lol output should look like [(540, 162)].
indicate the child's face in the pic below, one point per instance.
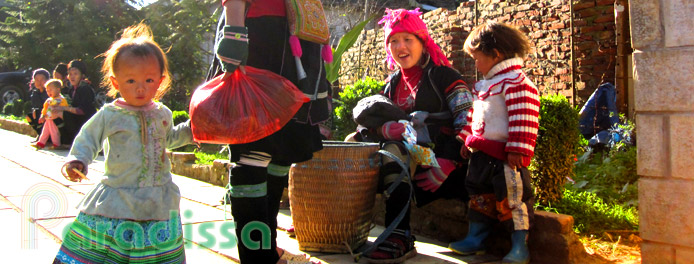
[(406, 49), (137, 78), (40, 81), (483, 62), (75, 76), (53, 90)]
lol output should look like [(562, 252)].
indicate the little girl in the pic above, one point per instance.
[(49, 116), (501, 132), (131, 216)]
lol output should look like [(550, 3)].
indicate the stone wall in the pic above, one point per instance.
[(662, 38), (548, 24)]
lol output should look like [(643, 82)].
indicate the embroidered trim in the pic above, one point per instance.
[(248, 191)]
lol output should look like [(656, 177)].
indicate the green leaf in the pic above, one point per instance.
[(347, 41)]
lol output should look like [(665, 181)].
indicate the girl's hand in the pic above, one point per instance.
[(42, 120), (76, 171), (515, 160), (464, 152)]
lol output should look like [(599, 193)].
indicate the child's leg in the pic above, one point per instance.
[(45, 134), (53, 130)]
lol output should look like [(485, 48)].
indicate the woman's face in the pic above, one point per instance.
[(58, 76), (406, 49), (40, 82), (74, 75)]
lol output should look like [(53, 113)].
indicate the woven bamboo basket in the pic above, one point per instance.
[(332, 196)]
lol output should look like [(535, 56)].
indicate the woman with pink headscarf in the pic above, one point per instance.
[(434, 96)]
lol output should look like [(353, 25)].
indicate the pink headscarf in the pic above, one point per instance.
[(402, 20)]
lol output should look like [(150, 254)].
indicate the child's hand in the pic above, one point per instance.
[(464, 152), (75, 170), (42, 120), (515, 160)]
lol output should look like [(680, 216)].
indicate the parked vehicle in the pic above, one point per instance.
[(14, 85)]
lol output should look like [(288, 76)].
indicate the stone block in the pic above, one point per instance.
[(681, 146), (17, 126), (662, 80), (644, 18), (651, 153), (678, 22), (684, 255), (662, 214), (657, 253)]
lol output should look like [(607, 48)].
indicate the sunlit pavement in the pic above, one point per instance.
[(37, 203)]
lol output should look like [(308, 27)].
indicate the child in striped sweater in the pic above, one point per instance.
[(499, 140)]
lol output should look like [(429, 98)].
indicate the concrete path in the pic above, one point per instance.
[(36, 203)]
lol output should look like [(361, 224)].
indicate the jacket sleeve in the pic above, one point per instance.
[(523, 104)]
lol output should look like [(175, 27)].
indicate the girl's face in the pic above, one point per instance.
[(406, 49), (40, 81), (484, 63), (75, 76), (137, 78), (53, 91)]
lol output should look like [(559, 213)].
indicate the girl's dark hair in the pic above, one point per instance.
[(62, 69), (41, 71), (79, 65), (508, 41), (138, 41)]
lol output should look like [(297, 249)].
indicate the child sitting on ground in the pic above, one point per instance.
[(50, 118)]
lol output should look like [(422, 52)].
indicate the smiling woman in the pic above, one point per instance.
[(427, 88)]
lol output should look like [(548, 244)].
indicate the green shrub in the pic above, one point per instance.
[(557, 145), (593, 215), (207, 157), (343, 121), (609, 174), (179, 117), (17, 108)]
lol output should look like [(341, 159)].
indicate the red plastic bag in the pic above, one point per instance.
[(243, 108)]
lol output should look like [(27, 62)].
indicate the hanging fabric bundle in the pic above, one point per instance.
[(307, 22)]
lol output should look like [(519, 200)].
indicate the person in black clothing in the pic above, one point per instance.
[(435, 100), (81, 96), (260, 38), (37, 95)]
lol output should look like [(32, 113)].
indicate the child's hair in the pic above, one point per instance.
[(79, 65), (509, 41), (61, 68), (58, 83), (138, 41)]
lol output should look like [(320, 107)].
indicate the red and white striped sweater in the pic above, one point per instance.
[(505, 112)]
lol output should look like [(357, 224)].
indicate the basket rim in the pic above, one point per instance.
[(335, 143)]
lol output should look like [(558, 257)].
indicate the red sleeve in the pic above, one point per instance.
[(523, 106)]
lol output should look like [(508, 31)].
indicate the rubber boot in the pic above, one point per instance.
[(519, 248), (473, 242)]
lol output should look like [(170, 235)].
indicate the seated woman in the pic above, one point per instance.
[(60, 73), (436, 100), (81, 96), (37, 95)]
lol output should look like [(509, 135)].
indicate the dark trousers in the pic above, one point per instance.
[(34, 122), (256, 210), (487, 185)]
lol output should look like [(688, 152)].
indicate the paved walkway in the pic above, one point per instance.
[(36, 203)]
